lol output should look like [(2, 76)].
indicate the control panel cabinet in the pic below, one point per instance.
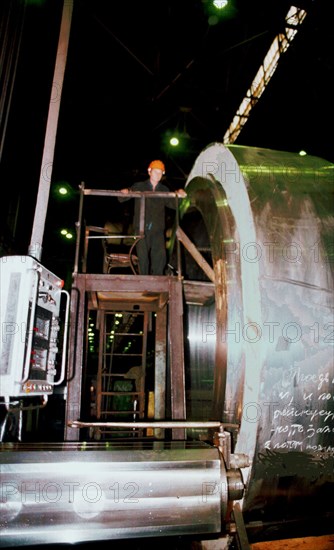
[(29, 308)]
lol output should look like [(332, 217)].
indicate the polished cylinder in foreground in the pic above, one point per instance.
[(70, 493)]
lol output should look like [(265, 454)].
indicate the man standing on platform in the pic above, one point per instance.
[(151, 249)]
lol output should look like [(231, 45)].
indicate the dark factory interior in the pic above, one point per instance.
[(167, 274)]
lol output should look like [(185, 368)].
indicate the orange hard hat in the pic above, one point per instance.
[(157, 164)]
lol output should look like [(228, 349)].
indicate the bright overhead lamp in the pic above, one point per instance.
[(220, 4), (174, 141), (67, 234)]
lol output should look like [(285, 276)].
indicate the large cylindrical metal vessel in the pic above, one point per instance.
[(260, 352)]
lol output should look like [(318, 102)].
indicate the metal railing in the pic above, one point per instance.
[(83, 233)]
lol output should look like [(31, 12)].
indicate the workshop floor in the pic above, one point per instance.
[(325, 542)]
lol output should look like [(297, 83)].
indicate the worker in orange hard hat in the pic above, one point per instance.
[(151, 249), (157, 164)]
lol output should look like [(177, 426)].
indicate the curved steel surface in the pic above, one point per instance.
[(267, 341), (72, 493)]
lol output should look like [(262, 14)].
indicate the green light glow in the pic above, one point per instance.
[(220, 4)]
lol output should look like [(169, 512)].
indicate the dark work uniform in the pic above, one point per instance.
[(151, 250)]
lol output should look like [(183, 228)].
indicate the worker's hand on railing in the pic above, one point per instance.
[(180, 193), (125, 191)]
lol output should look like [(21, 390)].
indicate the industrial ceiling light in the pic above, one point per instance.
[(220, 4), (279, 46), (174, 141), (67, 234), (62, 190)]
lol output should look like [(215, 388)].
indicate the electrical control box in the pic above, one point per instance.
[(29, 310)]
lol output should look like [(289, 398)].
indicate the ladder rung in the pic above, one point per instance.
[(123, 355), (113, 374), (120, 412), (124, 334), (121, 393)]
